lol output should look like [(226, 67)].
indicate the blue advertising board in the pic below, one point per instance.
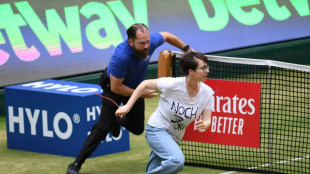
[(55, 117)]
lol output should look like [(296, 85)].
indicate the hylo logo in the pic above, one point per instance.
[(33, 120)]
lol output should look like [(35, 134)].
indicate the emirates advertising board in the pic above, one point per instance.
[(51, 39), (235, 116)]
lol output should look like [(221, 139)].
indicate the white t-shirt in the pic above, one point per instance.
[(176, 110)]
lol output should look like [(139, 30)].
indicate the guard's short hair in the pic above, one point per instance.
[(132, 31)]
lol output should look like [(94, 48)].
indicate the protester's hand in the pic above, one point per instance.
[(122, 111), (148, 93), (201, 125)]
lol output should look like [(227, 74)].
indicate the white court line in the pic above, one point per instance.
[(229, 172), (267, 165)]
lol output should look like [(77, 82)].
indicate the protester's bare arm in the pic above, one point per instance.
[(146, 85), (119, 88)]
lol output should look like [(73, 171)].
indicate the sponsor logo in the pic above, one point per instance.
[(17, 122), (20, 118), (235, 115)]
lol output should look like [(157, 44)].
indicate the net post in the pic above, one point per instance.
[(164, 62)]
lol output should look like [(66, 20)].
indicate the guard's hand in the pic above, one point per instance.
[(148, 93), (190, 50), (122, 111)]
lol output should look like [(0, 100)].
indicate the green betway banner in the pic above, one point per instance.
[(48, 39)]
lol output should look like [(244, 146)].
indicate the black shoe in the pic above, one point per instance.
[(73, 168)]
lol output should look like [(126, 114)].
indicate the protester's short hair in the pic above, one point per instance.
[(189, 61), (132, 31)]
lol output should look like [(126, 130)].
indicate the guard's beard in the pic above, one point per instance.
[(141, 54)]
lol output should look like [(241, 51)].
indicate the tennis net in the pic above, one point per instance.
[(284, 118)]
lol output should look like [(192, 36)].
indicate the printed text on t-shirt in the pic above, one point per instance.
[(180, 110)]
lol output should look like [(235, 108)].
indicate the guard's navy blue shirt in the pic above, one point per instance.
[(124, 63)]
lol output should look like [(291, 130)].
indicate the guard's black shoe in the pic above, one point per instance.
[(73, 168), (116, 130)]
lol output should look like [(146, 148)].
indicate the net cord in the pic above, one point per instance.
[(249, 61)]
